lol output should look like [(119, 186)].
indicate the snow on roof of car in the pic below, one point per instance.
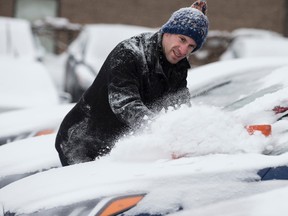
[(25, 83), (12, 34)]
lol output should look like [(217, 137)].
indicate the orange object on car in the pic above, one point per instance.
[(119, 205), (265, 129), (44, 132)]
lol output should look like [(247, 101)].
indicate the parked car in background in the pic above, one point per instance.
[(30, 122), (27, 139), (247, 43), (17, 39), (25, 83), (89, 51), (145, 181)]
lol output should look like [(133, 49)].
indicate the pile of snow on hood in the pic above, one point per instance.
[(189, 131)]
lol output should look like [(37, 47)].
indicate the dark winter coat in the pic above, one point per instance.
[(135, 82)]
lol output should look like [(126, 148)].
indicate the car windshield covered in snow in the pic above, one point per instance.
[(235, 87)]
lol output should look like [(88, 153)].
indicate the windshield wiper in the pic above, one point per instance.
[(243, 101), (209, 88)]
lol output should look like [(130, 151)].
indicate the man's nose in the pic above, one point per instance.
[(185, 50)]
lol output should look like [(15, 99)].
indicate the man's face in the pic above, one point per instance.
[(176, 47)]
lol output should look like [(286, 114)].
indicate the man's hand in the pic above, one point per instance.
[(200, 5)]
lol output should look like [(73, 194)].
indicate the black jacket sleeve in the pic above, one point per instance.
[(124, 91)]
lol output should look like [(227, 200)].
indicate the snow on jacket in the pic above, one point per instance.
[(135, 82)]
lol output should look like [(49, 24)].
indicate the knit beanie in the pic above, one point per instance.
[(190, 22)]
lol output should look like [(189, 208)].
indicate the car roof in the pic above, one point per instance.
[(32, 86), (12, 34)]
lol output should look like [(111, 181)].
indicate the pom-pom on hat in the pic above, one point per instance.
[(190, 22)]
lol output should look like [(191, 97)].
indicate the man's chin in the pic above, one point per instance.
[(175, 60), (172, 59)]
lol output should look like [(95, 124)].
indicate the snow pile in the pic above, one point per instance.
[(189, 131)]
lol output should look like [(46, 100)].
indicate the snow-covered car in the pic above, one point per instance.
[(88, 52), (25, 83), (24, 80), (31, 131), (158, 188), (188, 158), (26, 157), (24, 123), (247, 43), (17, 39)]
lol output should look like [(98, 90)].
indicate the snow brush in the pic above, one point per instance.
[(265, 129)]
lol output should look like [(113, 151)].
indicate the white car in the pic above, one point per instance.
[(88, 52), (28, 135), (30, 122), (251, 43), (17, 39), (24, 80), (25, 83), (188, 158), (28, 156)]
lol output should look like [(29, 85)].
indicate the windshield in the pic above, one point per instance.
[(242, 102), (233, 91)]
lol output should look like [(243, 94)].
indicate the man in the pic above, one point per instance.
[(140, 77)]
